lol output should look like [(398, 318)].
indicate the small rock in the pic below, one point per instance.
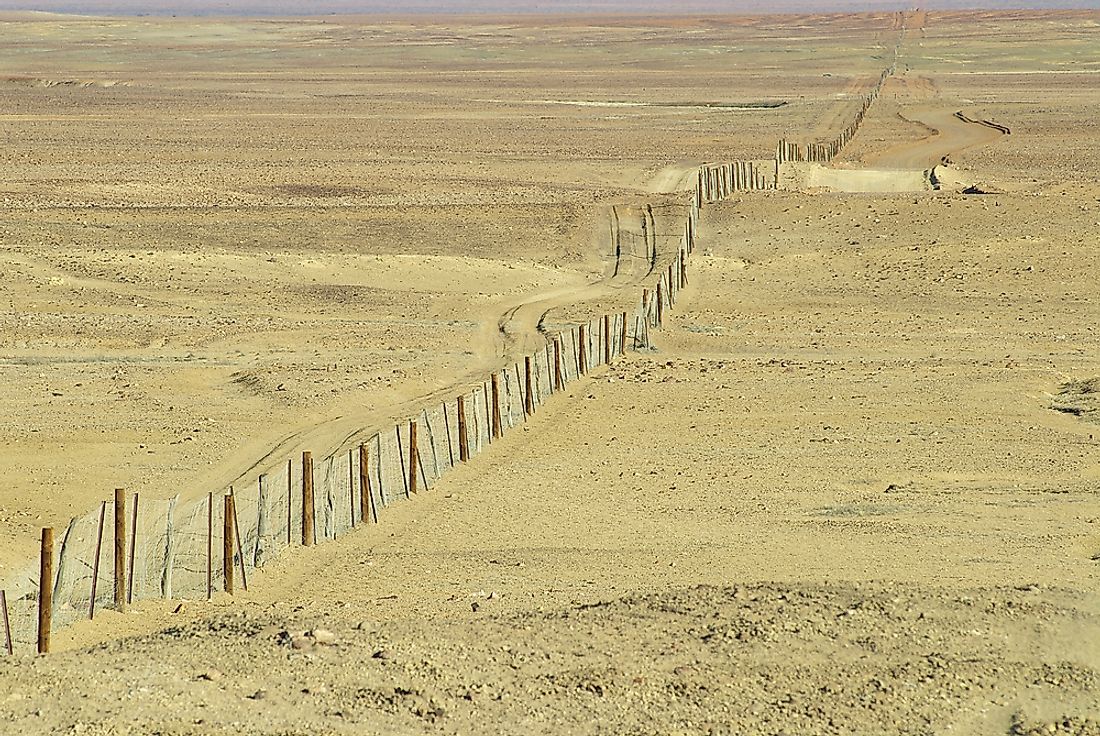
[(211, 676), (301, 642), (324, 637)]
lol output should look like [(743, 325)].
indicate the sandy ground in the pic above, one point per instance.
[(853, 490), (228, 238)]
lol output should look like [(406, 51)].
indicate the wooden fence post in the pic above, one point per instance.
[(133, 546), (607, 339), (209, 545), (45, 591), (401, 457), (463, 445), (450, 442), (529, 398), (307, 499), (495, 379), (289, 505), (120, 549), (622, 337), (227, 543), (412, 456), (351, 487), (557, 364), (98, 555), (488, 413), (7, 623), (237, 536), (582, 349), (366, 498), (660, 306)]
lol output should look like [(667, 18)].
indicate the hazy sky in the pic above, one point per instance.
[(317, 7)]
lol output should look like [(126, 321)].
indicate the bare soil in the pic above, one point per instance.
[(852, 489)]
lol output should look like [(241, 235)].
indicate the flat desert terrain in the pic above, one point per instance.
[(851, 487)]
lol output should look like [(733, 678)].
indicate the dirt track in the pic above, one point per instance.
[(951, 136), (853, 428)]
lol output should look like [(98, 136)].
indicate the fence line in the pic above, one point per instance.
[(176, 549), (824, 152), (172, 554)]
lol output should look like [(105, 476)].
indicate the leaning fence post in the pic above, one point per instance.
[(7, 622), (45, 591), (307, 499), (237, 535), (463, 445), (366, 500), (133, 546), (495, 381), (98, 552), (401, 457), (412, 456), (120, 549), (557, 364), (227, 543), (447, 429)]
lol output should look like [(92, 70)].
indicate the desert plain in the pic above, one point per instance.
[(851, 486)]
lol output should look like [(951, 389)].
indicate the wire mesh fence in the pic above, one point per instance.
[(189, 549)]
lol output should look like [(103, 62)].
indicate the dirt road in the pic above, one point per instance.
[(949, 135)]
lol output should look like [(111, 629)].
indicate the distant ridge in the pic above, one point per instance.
[(586, 7)]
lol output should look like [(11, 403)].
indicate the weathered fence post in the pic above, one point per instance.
[(412, 456), (133, 550), (366, 499), (209, 545), (622, 337), (660, 306), (582, 349), (45, 591), (289, 505), (227, 543), (351, 487), (495, 382), (529, 396), (307, 500), (607, 339), (98, 554), (463, 446), (120, 549), (7, 622), (237, 536)]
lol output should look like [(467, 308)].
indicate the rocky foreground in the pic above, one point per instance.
[(761, 659)]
